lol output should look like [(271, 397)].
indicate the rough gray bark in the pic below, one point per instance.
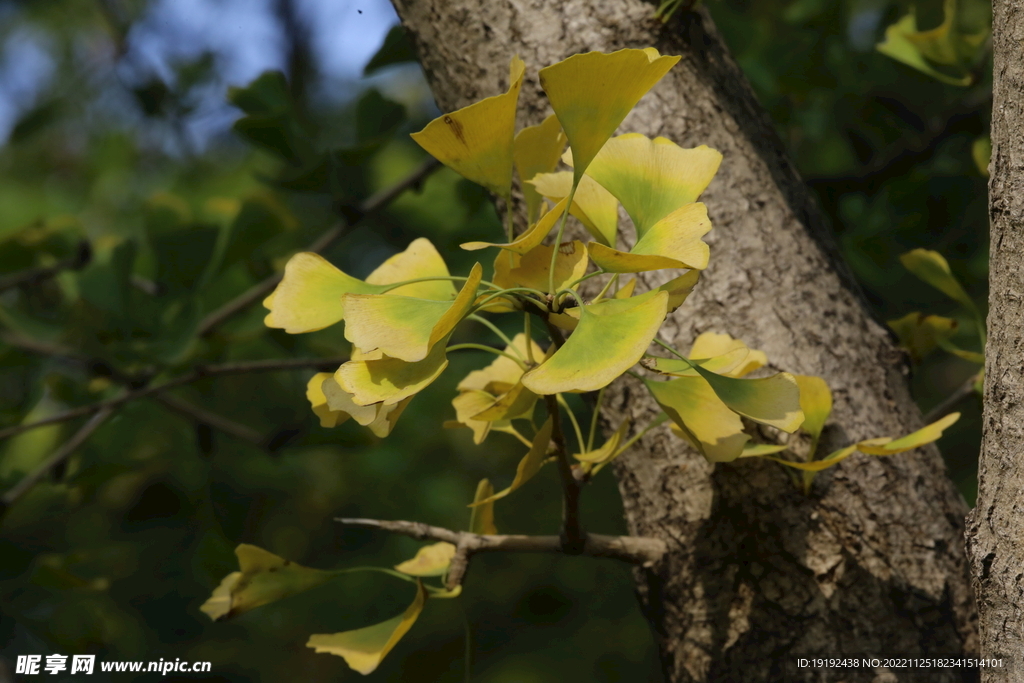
[(995, 538), (757, 574)]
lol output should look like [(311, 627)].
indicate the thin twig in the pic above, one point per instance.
[(33, 276), (632, 549), (573, 537), (372, 205), (214, 420), (14, 493), (198, 373), (946, 406)]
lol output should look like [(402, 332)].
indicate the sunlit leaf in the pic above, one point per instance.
[(593, 92), (537, 149), (771, 400), (430, 560), (390, 380), (815, 402), (712, 344), (701, 417), (594, 206), (528, 467), (607, 450), (481, 520), (263, 578), (653, 178), (317, 400), (516, 403), (419, 260), (679, 288), (403, 327), (570, 265), (378, 417), (919, 334), (925, 435), (477, 141), (611, 337), (365, 648), (502, 373), (722, 365), (529, 239), (673, 242)]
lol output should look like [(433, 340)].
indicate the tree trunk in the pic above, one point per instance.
[(872, 562), (995, 527)]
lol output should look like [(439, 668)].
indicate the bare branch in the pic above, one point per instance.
[(14, 493), (214, 420), (637, 550), (33, 276), (198, 373), (372, 205), (573, 537), (946, 406)]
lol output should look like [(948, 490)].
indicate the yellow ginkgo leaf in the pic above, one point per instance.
[(403, 327), (594, 206), (378, 417), (309, 296), (831, 460), (815, 402), (611, 337), (430, 560), (529, 239), (711, 344), (528, 467), (925, 435), (315, 395), (365, 648), (481, 519), (900, 45), (503, 373), (759, 450), (570, 265), (679, 288), (626, 290), (701, 417), (467, 405), (653, 178), (592, 93), (516, 403), (389, 380), (537, 149), (607, 450), (477, 141), (722, 365), (771, 400), (919, 334), (262, 578), (673, 242)]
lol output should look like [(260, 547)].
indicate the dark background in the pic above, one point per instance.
[(118, 130)]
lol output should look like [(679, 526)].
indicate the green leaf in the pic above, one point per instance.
[(377, 117), (981, 152), (396, 49), (931, 267), (701, 417), (815, 402), (771, 400)]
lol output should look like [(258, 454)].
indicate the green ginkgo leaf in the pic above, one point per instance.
[(592, 93), (389, 380), (528, 467), (477, 141), (679, 288), (430, 560), (652, 178), (309, 296), (363, 649), (919, 334), (262, 578), (537, 150), (833, 459), (771, 400), (722, 365), (403, 327), (701, 417), (902, 43), (481, 520), (673, 242), (981, 152), (611, 337), (594, 206)]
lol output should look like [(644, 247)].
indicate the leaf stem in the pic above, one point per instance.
[(528, 332), (572, 418), (558, 240), (593, 420), (484, 347), (453, 278), (656, 422), (604, 290), (573, 540), (494, 328)]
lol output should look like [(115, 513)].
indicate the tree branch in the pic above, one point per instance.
[(372, 205), (32, 276), (14, 493), (573, 538), (637, 550), (197, 373), (214, 420)]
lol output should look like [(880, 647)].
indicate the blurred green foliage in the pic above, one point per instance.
[(114, 552)]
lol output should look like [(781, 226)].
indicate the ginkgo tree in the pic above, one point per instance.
[(584, 324)]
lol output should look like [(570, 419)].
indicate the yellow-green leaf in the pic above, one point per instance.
[(701, 417), (528, 467), (833, 459), (608, 450), (430, 560), (759, 450), (815, 402), (925, 435), (481, 519), (570, 265), (611, 337), (469, 403), (904, 43), (970, 356), (673, 242), (503, 373), (529, 239), (403, 327), (263, 578), (679, 288), (390, 380), (537, 149), (592, 93), (722, 365), (419, 260), (515, 404), (653, 178), (712, 344), (477, 141), (365, 648), (919, 334), (318, 401), (380, 418), (594, 206), (931, 267), (981, 152)]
